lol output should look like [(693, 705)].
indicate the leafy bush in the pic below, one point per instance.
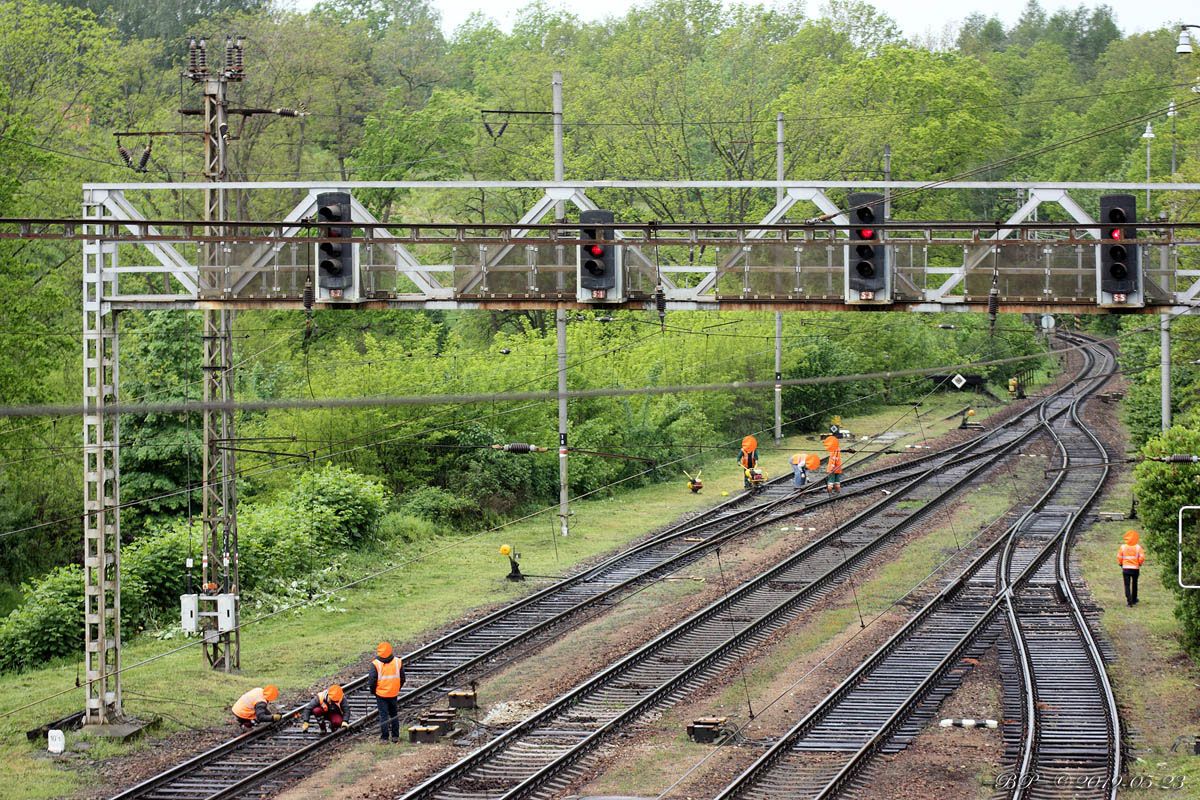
[(48, 624), (438, 505), (345, 506), (398, 526)]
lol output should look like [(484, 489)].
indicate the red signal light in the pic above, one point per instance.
[(1115, 233), (866, 233), (596, 250)]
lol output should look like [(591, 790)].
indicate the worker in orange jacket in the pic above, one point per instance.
[(385, 680), (1130, 557), (748, 458), (255, 707), (328, 708), (833, 466)]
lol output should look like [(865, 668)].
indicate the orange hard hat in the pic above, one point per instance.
[(271, 692), (812, 461), (749, 444), (336, 694), (384, 650), (832, 444), (1131, 538)]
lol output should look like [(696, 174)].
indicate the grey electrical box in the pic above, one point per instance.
[(226, 603), (189, 608)]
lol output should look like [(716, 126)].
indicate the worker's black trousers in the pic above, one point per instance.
[(1130, 576), (389, 717)]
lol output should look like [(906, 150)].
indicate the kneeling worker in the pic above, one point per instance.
[(385, 680), (255, 707), (328, 709)]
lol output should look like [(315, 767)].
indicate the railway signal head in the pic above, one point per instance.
[(867, 278), (335, 260), (599, 258), (1119, 263)]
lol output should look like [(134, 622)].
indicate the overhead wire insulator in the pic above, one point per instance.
[(993, 303), (519, 447), (202, 57), (193, 58), (126, 156), (660, 303), (288, 112), (145, 158), (239, 57)]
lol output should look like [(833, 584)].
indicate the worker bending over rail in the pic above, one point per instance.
[(254, 707), (327, 708)]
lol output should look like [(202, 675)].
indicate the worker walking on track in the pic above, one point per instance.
[(833, 466), (255, 707), (748, 458), (328, 709), (1130, 557), (385, 680)]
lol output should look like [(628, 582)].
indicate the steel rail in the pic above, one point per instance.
[(1033, 776), (721, 513), (675, 682), (1005, 547)]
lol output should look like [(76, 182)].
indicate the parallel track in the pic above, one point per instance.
[(886, 701), (1071, 747), (539, 756), (242, 765)]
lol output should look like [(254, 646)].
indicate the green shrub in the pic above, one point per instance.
[(345, 506), (398, 526), (438, 505), (49, 624)]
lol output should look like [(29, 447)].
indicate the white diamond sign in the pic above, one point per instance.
[(959, 381)]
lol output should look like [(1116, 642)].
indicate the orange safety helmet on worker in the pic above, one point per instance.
[(385, 681), (328, 708), (254, 706)]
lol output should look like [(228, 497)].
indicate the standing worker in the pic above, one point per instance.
[(385, 680), (255, 707), (1130, 557), (833, 483), (328, 709), (748, 458)]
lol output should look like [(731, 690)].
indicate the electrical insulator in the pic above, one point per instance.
[(519, 447), (660, 302), (126, 156), (287, 112), (202, 57), (229, 53), (145, 159), (193, 63), (993, 304), (308, 294), (239, 58), (1182, 459)]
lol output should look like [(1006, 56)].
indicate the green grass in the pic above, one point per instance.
[(446, 578), (1155, 680)]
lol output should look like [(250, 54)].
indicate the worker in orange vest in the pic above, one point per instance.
[(833, 465), (748, 458), (385, 680), (255, 707), (327, 708), (1130, 557)]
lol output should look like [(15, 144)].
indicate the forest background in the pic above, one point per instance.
[(684, 89)]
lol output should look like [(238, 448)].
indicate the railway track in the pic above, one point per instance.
[(243, 765), (889, 698), (541, 755), (1071, 747)]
